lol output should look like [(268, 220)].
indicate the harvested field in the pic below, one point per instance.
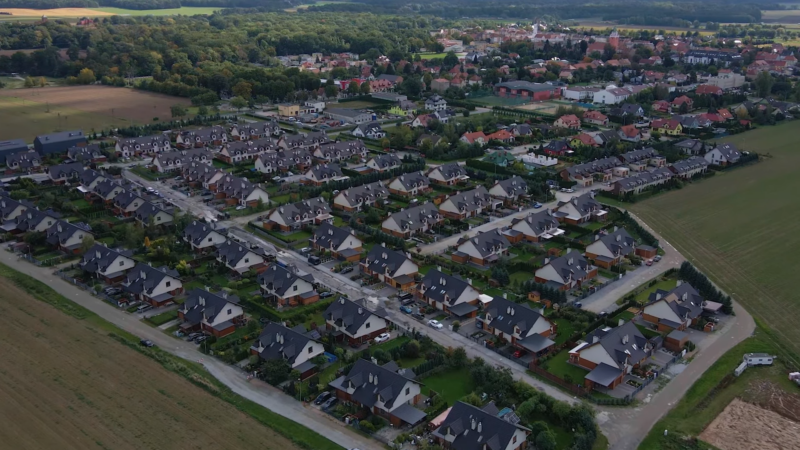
[(743, 426), (66, 384), (26, 113), (770, 396), (57, 12), (545, 107)]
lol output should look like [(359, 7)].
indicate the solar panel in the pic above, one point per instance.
[(511, 418)]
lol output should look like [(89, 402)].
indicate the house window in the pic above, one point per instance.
[(209, 239), (230, 311), (310, 349), (408, 391), (367, 325), (121, 263), (514, 440), (246, 260), (169, 283), (294, 288)]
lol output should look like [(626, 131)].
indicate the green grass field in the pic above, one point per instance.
[(452, 384), (431, 55), (26, 118), (185, 11), (742, 228)]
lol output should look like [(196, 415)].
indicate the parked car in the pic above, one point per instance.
[(405, 310), (649, 262), (657, 258), (193, 336), (325, 294), (149, 189), (537, 205), (330, 403), (347, 269), (144, 308), (201, 339), (433, 323), (405, 296), (383, 337), (314, 260), (146, 343), (417, 316), (568, 190), (407, 301), (305, 249), (519, 353), (321, 398), (241, 207)]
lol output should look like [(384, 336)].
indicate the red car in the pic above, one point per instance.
[(649, 262), (519, 354)]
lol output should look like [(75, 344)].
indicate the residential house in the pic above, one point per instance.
[(568, 121), (63, 173), (86, 154), (449, 294), (293, 345), (435, 103), (255, 130), (48, 144), (638, 160), (239, 257), (448, 174), (527, 90), (382, 163), (215, 314), (25, 161), (156, 286), (340, 151), (410, 184), (557, 147), (392, 268), (353, 322), (408, 222), (602, 169), (240, 191), (628, 109), (610, 249), (236, 152), (386, 391), (583, 139), (612, 95), (677, 309), (353, 199), (10, 147), (32, 220), (66, 236), (566, 272), (482, 249), (500, 158), (432, 138), (503, 136), (350, 116), (205, 137), (519, 325), (10, 209), (464, 205), (172, 161), (286, 286), (288, 110), (682, 100), (708, 89), (640, 181), (537, 226), (107, 264), (314, 140), (108, 190), (723, 155), (476, 137), (322, 174), (580, 209), (341, 242), (145, 145), (630, 133), (691, 146), (294, 216), (371, 130), (510, 190), (464, 429), (595, 118), (203, 237), (667, 127), (688, 168), (149, 213), (610, 354), (522, 129)]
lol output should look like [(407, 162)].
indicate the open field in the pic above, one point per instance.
[(319, 3), (545, 107), (742, 228), (775, 16), (75, 13), (185, 11), (453, 385), (603, 25), (66, 384), (26, 113), (52, 13), (743, 426)]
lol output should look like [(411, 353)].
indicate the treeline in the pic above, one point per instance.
[(262, 5), (704, 286), (48, 4)]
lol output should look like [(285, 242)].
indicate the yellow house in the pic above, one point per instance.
[(397, 111), (671, 127), (289, 110)]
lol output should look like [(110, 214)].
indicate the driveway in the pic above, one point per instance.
[(255, 390)]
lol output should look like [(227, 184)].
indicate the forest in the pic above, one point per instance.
[(263, 5)]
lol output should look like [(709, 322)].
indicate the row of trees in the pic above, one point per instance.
[(704, 286)]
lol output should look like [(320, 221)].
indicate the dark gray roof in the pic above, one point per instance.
[(557, 145), (145, 143), (351, 314), (305, 209), (306, 139), (58, 142), (383, 260), (326, 171), (32, 217), (540, 222), (694, 145), (451, 170), (619, 242), (413, 179), (148, 210), (630, 108), (371, 380), (514, 186), (477, 429), (143, 278), (413, 219), (369, 127), (202, 304), (61, 231), (689, 164), (88, 176), (106, 187), (126, 198), (729, 151), (68, 171), (251, 147), (438, 284), (536, 343), (526, 85), (204, 135), (572, 264), (387, 161), (280, 342), (621, 343), (603, 374), (597, 166), (196, 232), (10, 147), (337, 151), (331, 237), (472, 200), (9, 205), (431, 137), (24, 159), (280, 279), (644, 178), (506, 316), (585, 204), (684, 300), (87, 153), (638, 155), (366, 193), (522, 129), (100, 257), (231, 252), (259, 128), (167, 159), (487, 243)]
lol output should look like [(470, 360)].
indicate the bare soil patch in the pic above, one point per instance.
[(57, 12), (65, 384), (744, 426), (121, 103), (772, 397)]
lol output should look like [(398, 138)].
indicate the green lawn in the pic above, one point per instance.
[(559, 366), (431, 55), (565, 330), (453, 385), (664, 285), (691, 415), (521, 277), (184, 11), (740, 228), (163, 318)]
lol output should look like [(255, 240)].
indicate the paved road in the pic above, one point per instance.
[(192, 205), (259, 392)]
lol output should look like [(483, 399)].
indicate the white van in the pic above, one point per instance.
[(144, 308)]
